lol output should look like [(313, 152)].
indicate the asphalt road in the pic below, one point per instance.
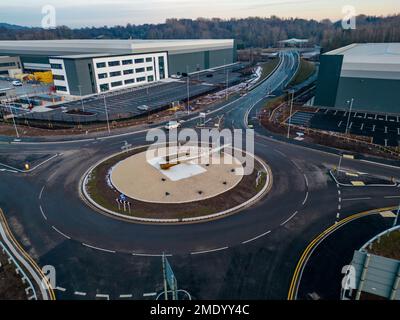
[(249, 255)]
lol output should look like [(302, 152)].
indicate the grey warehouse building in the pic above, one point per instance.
[(83, 67), (368, 73)]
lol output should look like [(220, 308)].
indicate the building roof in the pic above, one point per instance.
[(294, 41), (370, 60), (113, 46)]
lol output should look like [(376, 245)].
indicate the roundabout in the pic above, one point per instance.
[(174, 184)]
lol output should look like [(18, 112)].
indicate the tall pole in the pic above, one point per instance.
[(397, 216), (12, 115), (105, 107), (290, 114), (348, 118), (80, 94), (188, 90), (165, 278)]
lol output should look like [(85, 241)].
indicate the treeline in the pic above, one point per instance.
[(249, 32)]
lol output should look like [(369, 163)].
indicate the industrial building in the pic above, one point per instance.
[(368, 73), (82, 67), (9, 65)]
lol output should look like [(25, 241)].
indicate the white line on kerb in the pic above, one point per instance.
[(97, 248), (41, 210), (257, 237), (41, 192), (208, 251), (288, 219), (149, 294), (63, 234), (79, 293)]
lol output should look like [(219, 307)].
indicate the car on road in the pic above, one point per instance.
[(16, 83), (143, 108), (172, 125)]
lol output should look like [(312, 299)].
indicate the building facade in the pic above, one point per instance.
[(368, 73), (9, 65), (93, 66)]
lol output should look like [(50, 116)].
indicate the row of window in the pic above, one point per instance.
[(61, 88), (7, 64), (125, 72), (124, 62), (57, 66), (105, 86), (58, 77)]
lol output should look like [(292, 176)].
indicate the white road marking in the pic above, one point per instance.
[(305, 178), (100, 295), (257, 237), (150, 255), (340, 199), (281, 153), (41, 210), (150, 294), (63, 234), (339, 192), (338, 215), (61, 289), (288, 219), (391, 197), (305, 199), (41, 192), (209, 251), (339, 207), (125, 295), (97, 248), (355, 199), (79, 293)]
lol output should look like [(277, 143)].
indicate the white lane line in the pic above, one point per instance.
[(391, 197), (339, 207), (296, 165), (41, 210), (305, 199), (100, 295), (209, 251), (97, 248), (338, 215), (258, 237), (339, 192), (150, 294), (356, 199), (61, 289), (41, 192), (281, 153), (79, 293), (305, 178), (125, 296), (288, 219), (63, 234), (150, 255), (340, 199)]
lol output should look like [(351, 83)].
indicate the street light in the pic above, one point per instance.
[(105, 107), (80, 94), (188, 90), (348, 118), (12, 115), (290, 113)]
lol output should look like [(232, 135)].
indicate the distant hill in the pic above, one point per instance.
[(249, 32)]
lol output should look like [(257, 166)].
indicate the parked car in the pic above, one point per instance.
[(172, 125), (16, 83), (143, 108)]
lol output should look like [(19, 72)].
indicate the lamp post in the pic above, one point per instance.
[(290, 113), (188, 89), (14, 123), (348, 118), (80, 94), (397, 216), (105, 108)]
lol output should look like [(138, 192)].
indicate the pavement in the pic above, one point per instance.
[(249, 255)]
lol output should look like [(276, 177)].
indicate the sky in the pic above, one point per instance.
[(82, 13)]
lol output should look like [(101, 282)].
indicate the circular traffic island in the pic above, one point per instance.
[(174, 184)]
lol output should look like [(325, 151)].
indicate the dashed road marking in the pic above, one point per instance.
[(125, 296), (306, 180), (61, 289), (357, 199), (104, 296), (41, 192), (80, 293), (288, 219), (150, 294), (257, 237), (305, 199), (97, 248), (63, 234), (209, 251), (41, 210), (150, 254)]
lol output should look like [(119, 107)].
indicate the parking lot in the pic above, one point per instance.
[(124, 103), (384, 129)]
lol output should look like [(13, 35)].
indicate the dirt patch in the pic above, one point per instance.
[(11, 286), (105, 195)]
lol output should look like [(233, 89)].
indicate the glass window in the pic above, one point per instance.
[(141, 60), (150, 78), (100, 64), (129, 81), (104, 87), (58, 77), (113, 63), (150, 59), (141, 79), (129, 71), (115, 73), (161, 67), (149, 68), (102, 75), (61, 88), (139, 70), (56, 66), (116, 84), (128, 61)]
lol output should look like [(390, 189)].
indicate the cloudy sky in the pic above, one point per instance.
[(78, 13)]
